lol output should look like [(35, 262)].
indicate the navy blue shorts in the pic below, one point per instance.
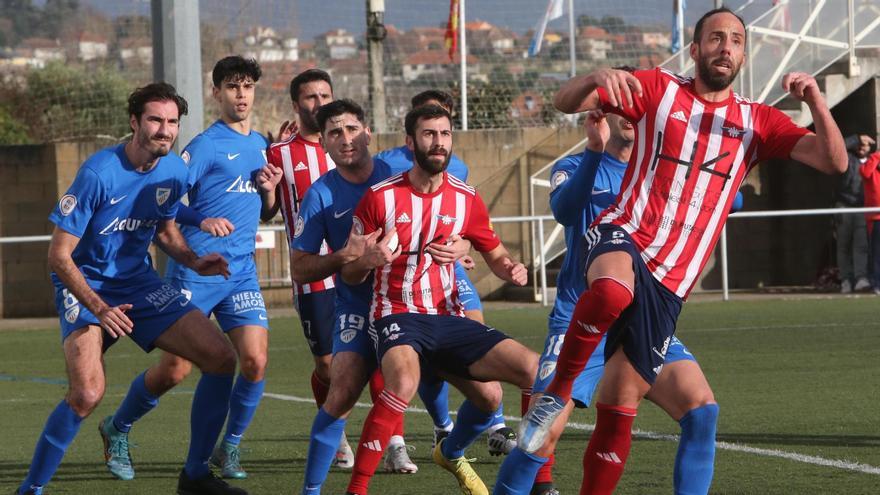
[(646, 327), (317, 311), (444, 343)]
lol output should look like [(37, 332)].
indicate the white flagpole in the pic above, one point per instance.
[(462, 37), (571, 38)]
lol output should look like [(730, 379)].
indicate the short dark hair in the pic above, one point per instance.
[(337, 108), (443, 97), (698, 29), (423, 112), (306, 77), (235, 67), (157, 91)]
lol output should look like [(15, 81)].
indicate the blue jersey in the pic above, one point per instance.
[(114, 210), (401, 159), (582, 186), (223, 167), (325, 213)]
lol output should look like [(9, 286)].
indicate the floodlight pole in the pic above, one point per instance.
[(462, 46), (177, 59), (376, 33)]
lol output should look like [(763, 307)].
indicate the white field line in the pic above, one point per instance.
[(792, 456)]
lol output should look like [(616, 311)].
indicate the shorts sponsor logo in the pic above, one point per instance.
[(72, 314), (249, 300), (663, 350), (162, 195), (162, 297), (348, 335), (547, 369), (617, 238), (187, 294), (67, 204), (658, 369)]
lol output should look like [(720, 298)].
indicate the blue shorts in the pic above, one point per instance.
[(444, 343), (646, 327), (156, 306), (234, 303), (467, 293), (351, 333), (585, 384), (316, 313)]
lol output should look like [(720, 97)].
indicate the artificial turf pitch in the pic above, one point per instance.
[(798, 383)]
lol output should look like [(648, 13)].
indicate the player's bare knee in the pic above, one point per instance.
[(84, 400), (488, 398), (322, 367), (171, 377), (221, 361), (528, 370), (341, 398), (253, 366), (402, 386)]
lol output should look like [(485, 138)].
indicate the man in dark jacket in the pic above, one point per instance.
[(852, 237)]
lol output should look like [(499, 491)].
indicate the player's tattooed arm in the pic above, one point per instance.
[(376, 254), (170, 240), (579, 93), (112, 318), (269, 180), (505, 267)]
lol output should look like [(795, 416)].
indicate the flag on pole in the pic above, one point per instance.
[(451, 37), (554, 10), (677, 26)]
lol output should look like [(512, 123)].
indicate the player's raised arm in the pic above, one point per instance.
[(825, 150), (61, 262), (269, 179), (572, 185), (580, 92), (170, 240)]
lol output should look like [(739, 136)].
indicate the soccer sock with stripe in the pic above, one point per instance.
[(385, 414), (377, 385), (545, 473), (319, 389), (323, 442), (209, 408), (593, 314), (138, 402), (695, 460), (435, 396), (243, 404), (471, 423), (517, 473), (609, 446), (61, 428), (497, 420)]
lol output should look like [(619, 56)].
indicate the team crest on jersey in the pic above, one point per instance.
[(185, 157), (298, 226), (446, 219), (558, 178), (67, 204), (734, 132), (162, 195), (357, 226)]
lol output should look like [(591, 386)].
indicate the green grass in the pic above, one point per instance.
[(798, 376)]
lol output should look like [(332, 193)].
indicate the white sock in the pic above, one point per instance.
[(492, 429), (396, 440)]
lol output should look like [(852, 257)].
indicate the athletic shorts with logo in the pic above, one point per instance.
[(646, 327), (352, 332), (444, 343), (156, 305), (467, 293), (234, 303), (316, 313)]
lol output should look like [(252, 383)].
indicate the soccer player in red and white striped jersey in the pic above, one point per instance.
[(296, 161), (696, 141)]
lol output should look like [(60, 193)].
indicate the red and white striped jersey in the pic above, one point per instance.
[(302, 162), (413, 283), (690, 157)]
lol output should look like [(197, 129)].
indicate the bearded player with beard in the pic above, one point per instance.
[(695, 143)]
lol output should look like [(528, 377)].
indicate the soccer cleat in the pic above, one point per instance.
[(501, 441), (536, 423), (227, 457), (468, 479), (544, 489), (397, 460), (344, 456), (845, 287), (116, 453), (440, 434), (208, 484), (862, 284)]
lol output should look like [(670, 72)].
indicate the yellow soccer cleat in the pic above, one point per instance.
[(468, 479)]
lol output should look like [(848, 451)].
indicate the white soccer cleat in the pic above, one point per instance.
[(397, 460)]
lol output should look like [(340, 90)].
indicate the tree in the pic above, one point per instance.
[(11, 130)]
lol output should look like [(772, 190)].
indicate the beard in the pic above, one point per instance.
[(308, 121), (430, 163), (157, 149), (716, 82)]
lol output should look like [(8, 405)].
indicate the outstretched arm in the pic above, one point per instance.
[(579, 93), (825, 150), (571, 196)]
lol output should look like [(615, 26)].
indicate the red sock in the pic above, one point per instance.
[(319, 389), (608, 449), (525, 396), (593, 314), (378, 427), (377, 385), (545, 473)]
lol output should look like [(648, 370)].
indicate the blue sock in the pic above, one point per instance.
[(471, 423), (695, 460), (209, 407), (138, 402), (61, 428), (243, 404), (323, 442), (517, 473), (435, 396), (498, 417)]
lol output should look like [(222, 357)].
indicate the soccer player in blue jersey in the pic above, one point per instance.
[(122, 198), (434, 392), (583, 185), (223, 215)]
